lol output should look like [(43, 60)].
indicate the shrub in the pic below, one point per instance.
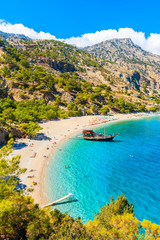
[(104, 110)]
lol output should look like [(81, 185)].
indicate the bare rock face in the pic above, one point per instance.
[(4, 133), (60, 65), (16, 133), (135, 80), (3, 136), (40, 60), (134, 65), (123, 50), (67, 97)]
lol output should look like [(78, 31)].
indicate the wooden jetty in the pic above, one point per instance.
[(69, 196)]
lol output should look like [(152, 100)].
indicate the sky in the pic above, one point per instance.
[(84, 22)]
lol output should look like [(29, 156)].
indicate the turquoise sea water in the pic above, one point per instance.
[(98, 170)]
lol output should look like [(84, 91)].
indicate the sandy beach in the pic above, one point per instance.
[(36, 153)]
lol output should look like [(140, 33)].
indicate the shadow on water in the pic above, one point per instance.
[(61, 203), (115, 141), (111, 141)]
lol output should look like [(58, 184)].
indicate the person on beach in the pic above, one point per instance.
[(31, 176), (34, 183)]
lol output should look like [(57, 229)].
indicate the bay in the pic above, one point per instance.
[(98, 170)]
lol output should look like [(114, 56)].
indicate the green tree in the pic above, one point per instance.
[(6, 72), (152, 230), (30, 128), (9, 171), (153, 109), (104, 110), (115, 221), (142, 108)]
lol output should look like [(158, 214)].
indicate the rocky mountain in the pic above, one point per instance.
[(5, 35), (130, 63), (50, 79), (125, 79), (120, 61), (123, 49)]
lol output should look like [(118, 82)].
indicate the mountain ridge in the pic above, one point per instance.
[(120, 41), (6, 35), (49, 79), (124, 57)]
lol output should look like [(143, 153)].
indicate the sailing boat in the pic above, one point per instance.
[(93, 136)]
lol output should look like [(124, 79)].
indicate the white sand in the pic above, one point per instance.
[(37, 153)]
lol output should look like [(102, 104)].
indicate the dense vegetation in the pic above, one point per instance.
[(24, 115), (32, 91), (21, 219), (60, 51)]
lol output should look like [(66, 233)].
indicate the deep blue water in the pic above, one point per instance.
[(98, 170)]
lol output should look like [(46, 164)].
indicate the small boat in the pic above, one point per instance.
[(92, 136)]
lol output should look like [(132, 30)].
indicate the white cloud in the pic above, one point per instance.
[(99, 36), (151, 44), (21, 29)]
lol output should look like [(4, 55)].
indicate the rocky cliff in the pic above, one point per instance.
[(130, 63)]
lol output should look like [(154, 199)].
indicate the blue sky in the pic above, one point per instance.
[(73, 18), (136, 19)]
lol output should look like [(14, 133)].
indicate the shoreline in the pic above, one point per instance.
[(37, 153)]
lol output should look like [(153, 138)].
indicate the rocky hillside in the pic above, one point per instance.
[(4, 35), (130, 63), (121, 76), (50, 79)]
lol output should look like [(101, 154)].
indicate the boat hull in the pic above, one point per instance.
[(98, 139)]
